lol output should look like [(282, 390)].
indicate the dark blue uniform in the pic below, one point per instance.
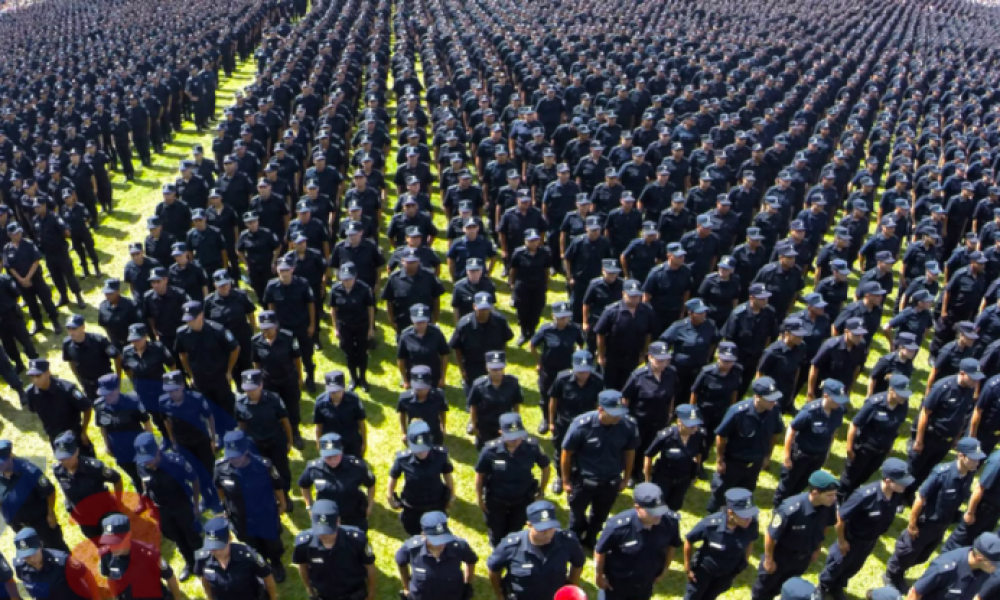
[(531, 572), (797, 527), (424, 488), (691, 346), (340, 571), (61, 577), (509, 483), (634, 555), (343, 417), (341, 485), (715, 392), (241, 579), (782, 363), (988, 409), (249, 498), (748, 434), (170, 486), (675, 462), (558, 346), (949, 404), (814, 433), (950, 577), (434, 578), (987, 513), (24, 501), (721, 557), (877, 426)]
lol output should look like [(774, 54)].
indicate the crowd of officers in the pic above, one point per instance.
[(706, 203)]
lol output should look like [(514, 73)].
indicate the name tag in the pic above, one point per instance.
[(954, 591), (798, 527), (674, 451), (632, 543), (819, 424), (419, 570), (593, 440), (228, 482), (883, 414), (320, 482), (951, 490), (318, 560), (527, 566), (874, 513), (717, 546), (209, 571), (500, 463)]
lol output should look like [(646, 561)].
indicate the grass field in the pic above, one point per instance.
[(136, 201)]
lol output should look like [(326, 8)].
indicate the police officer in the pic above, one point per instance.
[(27, 498), (339, 477), (163, 307), (793, 539), (51, 233), (190, 427), (14, 331), (575, 392), (983, 511), (649, 393), (745, 439), (751, 326), (425, 402), (492, 395), (504, 482), (897, 362), (601, 292), (262, 415), (475, 336), (116, 313), (232, 308), (59, 404), (557, 339), (713, 392), (727, 539), (258, 248), (960, 573), (209, 352), (582, 262), (145, 362), (251, 490), (809, 438), (873, 432), (291, 298), (436, 563), (464, 292), (783, 359), (867, 513), (408, 287), (23, 262), (532, 563), (335, 560), (942, 419), (352, 309), (528, 275), (82, 480), (121, 418), (340, 411), (937, 502), (840, 357), (50, 573), (134, 569), (624, 331), (276, 354), (422, 343), (637, 546), (231, 571), (797, 588), (672, 458), (428, 482), (593, 473), (90, 355), (171, 485)]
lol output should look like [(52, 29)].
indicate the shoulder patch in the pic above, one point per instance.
[(303, 538)]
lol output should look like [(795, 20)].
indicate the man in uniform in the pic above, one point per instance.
[(291, 298), (649, 393), (231, 571), (937, 502), (59, 404), (262, 415), (961, 573), (429, 484), (352, 310), (116, 313), (783, 360), (558, 340), (637, 546), (727, 539), (810, 437), (340, 411), (583, 259), (208, 351), (133, 569), (491, 396), (867, 514), (744, 440), (715, 389), (171, 485), (339, 477), (51, 233), (624, 331), (594, 473), (475, 336), (232, 308), (528, 275), (28, 498), (277, 355), (251, 490), (548, 550), (190, 427), (751, 326), (89, 355), (258, 248), (82, 480), (839, 357), (49, 573), (983, 512), (504, 482), (23, 262), (335, 560), (793, 539), (145, 362), (121, 418), (690, 341), (163, 307), (436, 563)]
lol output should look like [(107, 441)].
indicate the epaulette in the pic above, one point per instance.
[(949, 566), (481, 378), (622, 521), (743, 405), (942, 468), (202, 554), (494, 443), (715, 521), (353, 460), (317, 462), (415, 541), (303, 538), (99, 401), (531, 440), (286, 332), (870, 491), (404, 454), (93, 462), (441, 449), (814, 404), (583, 420)]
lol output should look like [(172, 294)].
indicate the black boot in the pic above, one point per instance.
[(310, 383), (79, 301)]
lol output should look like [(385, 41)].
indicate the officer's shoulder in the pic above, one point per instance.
[(303, 538), (202, 554), (531, 440), (404, 454), (93, 462), (742, 308), (942, 468), (286, 333), (743, 405), (586, 418), (481, 380), (493, 444), (814, 405), (871, 488), (414, 543)]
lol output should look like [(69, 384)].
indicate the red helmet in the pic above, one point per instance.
[(570, 592)]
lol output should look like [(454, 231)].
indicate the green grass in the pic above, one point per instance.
[(136, 201)]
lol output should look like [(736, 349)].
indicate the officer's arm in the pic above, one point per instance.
[(372, 580), (924, 419), (813, 376), (688, 555), (918, 508), (789, 442), (769, 545), (915, 595), (272, 588), (974, 500), (930, 380), (566, 465), (304, 574), (977, 417), (184, 361), (496, 580), (404, 575)]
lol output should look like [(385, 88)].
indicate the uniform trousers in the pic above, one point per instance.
[(178, 525), (987, 516), (867, 461), (599, 496), (910, 552), (61, 271), (708, 586), (840, 567), (291, 394), (739, 474), (788, 564), (529, 303), (795, 479), (504, 517), (39, 292), (353, 339), (921, 465)]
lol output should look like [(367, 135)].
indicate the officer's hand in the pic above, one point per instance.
[(787, 462), (85, 439), (691, 577), (913, 530), (845, 547), (440, 383), (622, 485), (571, 281), (393, 503), (371, 334), (918, 446), (311, 330), (51, 520), (769, 565), (970, 518), (336, 333), (602, 360), (850, 454), (406, 385), (720, 467), (603, 583), (567, 487), (542, 430), (766, 463), (451, 502), (540, 494), (482, 505), (810, 397)]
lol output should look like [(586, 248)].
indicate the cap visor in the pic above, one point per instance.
[(762, 295), (840, 398), (633, 293), (108, 290), (144, 458), (512, 436), (63, 455), (419, 385), (111, 539), (799, 332), (35, 371), (772, 397), (266, 325), (334, 387), (903, 393), (440, 540), (545, 525), (417, 448), (482, 306), (330, 452), (214, 545), (583, 369), (616, 412), (859, 331), (26, 552), (692, 422), (495, 365), (747, 513), (230, 453), (562, 314), (906, 480), (658, 511), (977, 455), (170, 387), (419, 319), (976, 375), (249, 387)]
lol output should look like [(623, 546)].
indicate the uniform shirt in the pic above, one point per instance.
[(643, 256), (648, 396), (475, 339), (258, 246), (625, 331), (60, 408), (92, 357), (342, 418), (122, 422), (207, 245), (949, 577), (428, 410), (723, 550), (584, 257), (50, 233), (797, 526), (508, 475), (291, 302), (492, 400), (949, 404), (249, 495), (441, 577), (532, 572), (340, 570), (719, 295), (423, 478), (170, 485), (677, 458), (950, 356), (188, 418), (988, 404), (944, 492), (261, 419), (599, 450), (276, 358), (137, 276), (424, 350), (207, 350), (532, 269), (464, 292), (878, 424), (814, 429), (635, 556), (165, 311), (232, 311), (557, 345), (24, 493), (145, 569), (835, 360), (89, 479), (965, 292), (403, 291), (749, 432), (781, 362), (240, 579), (341, 485), (57, 579), (714, 388), (783, 284), (160, 248), (690, 343), (463, 249), (116, 319), (910, 320), (146, 371), (867, 513), (572, 398), (352, 306)]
